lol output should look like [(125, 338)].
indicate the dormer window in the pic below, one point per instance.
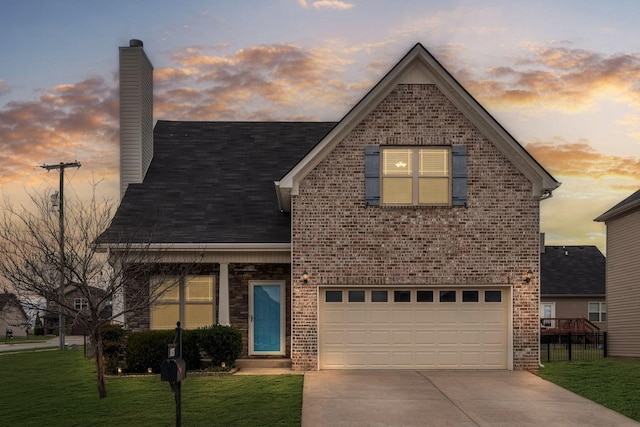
[(416, 176)]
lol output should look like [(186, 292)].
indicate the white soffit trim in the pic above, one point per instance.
[(210, 247), (420, 67)]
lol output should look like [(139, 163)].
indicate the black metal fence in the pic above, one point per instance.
[(573, 346)]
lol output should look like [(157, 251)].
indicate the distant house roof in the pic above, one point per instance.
[(627, 205), (8, 299), (572, 270), (213, 182)]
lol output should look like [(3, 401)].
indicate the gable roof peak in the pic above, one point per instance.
[(419, 66)]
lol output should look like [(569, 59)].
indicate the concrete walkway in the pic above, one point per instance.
[(52, 343), (446, 398)]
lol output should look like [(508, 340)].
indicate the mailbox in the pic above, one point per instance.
[(173, 370)]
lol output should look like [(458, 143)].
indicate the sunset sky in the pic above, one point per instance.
[(563, 77)]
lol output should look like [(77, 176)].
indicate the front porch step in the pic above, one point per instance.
[(263, 363)]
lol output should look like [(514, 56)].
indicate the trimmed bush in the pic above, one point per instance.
[(114, 342), (147, 349), (220, 343)]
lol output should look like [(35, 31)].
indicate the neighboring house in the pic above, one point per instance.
[(623, 276), (405, 235), (12, 316), (74, 316), (572, 285)]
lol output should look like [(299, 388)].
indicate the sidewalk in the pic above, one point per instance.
[(51, 344)]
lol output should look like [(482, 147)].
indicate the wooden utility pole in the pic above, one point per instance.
[(60, 167)]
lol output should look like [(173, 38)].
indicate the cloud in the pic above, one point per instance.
[(4, 89), (278, 81), (68, 122), (558, 78), (579, 159), (326, 4)]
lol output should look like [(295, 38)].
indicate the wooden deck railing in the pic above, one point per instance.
[(555, 325)]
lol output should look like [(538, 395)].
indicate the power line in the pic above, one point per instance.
[(60, 167)]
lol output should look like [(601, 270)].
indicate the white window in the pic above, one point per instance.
[(416, 176), (80, 303), (189, 301), (597, 311)]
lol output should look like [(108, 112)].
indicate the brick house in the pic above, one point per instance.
[(405, 235)]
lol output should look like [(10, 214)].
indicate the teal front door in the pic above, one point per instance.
[(266, 318)]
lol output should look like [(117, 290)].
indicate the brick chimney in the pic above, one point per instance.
[(136, 114)]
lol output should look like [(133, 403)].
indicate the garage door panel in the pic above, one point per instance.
[(495, 317), (448, 337), (402, 359), (470, 316), (424, 317), (425, 337), (334, 337), (448, 359), (379, 337), (414, 335), (447, 316), (493, 337), (380, 316), (471, 359), (402, 337), (401, 317), (357, 316), (357, 359), (355, 337), (333, 359), (334, 316), (471, 337), (425, 359)]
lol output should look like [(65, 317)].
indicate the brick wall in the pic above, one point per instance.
[(338, 240)]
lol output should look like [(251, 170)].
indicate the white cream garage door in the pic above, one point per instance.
[(396, 328)]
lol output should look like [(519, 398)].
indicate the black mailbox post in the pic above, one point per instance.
[(174, 371)]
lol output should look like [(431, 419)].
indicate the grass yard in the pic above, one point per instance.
[(56, 388), (614, 383)]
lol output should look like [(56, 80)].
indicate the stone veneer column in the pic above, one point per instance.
[(223, 304)]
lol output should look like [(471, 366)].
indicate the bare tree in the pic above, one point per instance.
[(30, 261)]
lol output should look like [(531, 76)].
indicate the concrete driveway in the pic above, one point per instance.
[(446, 398)]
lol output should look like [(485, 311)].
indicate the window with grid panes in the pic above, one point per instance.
[(189, 300), (416, 175)]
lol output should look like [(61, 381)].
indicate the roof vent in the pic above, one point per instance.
[(135, 43)]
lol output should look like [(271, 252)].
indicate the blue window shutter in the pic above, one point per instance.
[(459, 175), (372, 175)]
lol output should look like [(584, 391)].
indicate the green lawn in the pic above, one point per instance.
[(614, 383), (56, 388)]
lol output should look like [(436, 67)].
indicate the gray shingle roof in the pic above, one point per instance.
[(627, 205), (213, 182), (572, 270)]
